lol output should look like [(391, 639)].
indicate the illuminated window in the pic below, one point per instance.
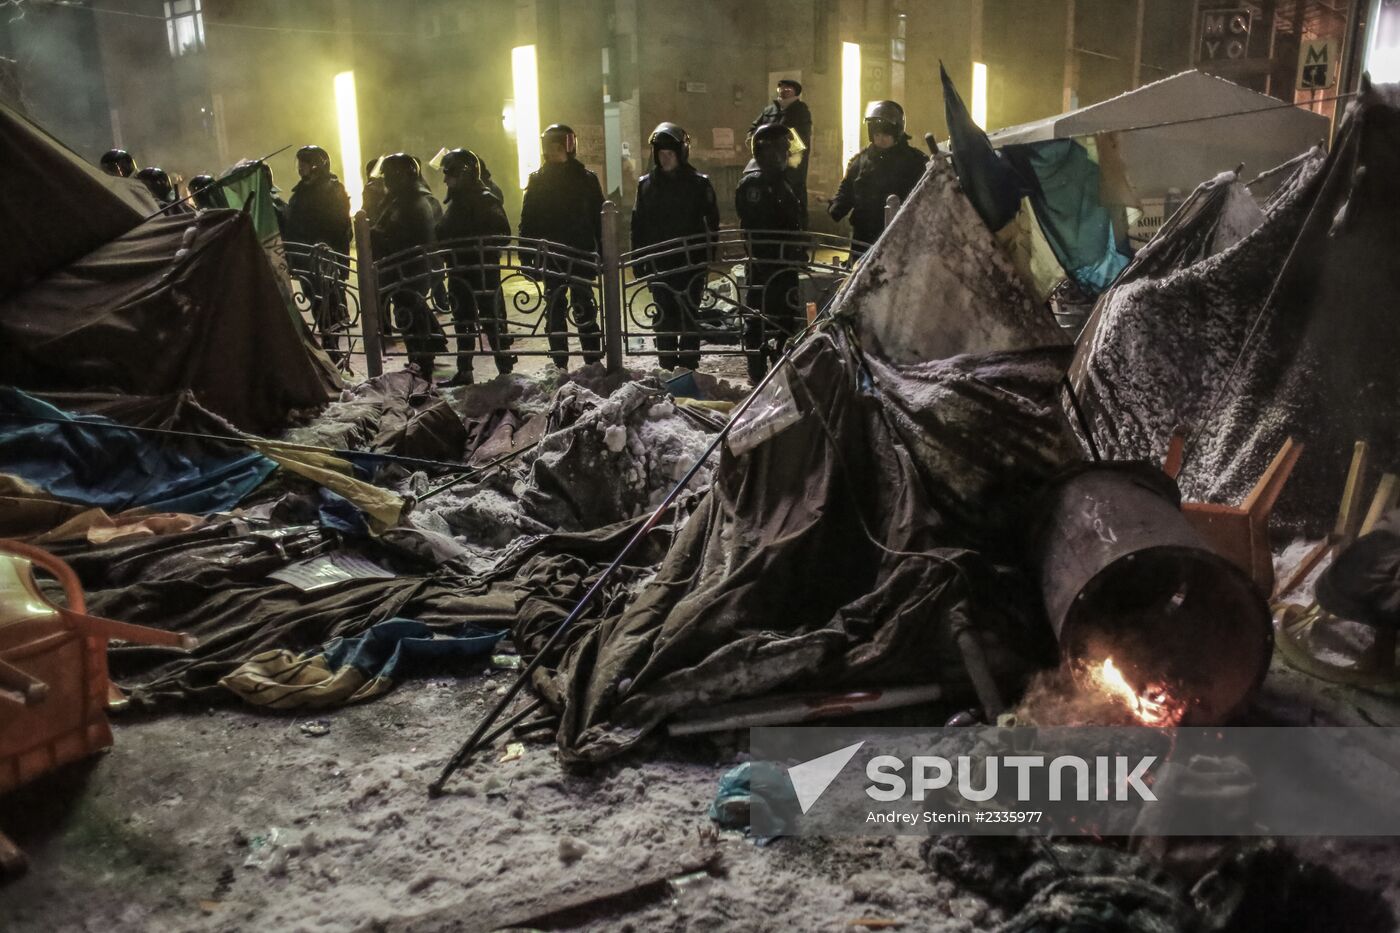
[(184, 26)]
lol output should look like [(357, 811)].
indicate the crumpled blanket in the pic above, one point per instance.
[(354, 668)]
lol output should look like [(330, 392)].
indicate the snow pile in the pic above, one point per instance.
[(603, 460)]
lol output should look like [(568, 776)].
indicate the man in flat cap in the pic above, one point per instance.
[(789, 110)]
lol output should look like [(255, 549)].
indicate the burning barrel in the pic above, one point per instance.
[(1142, 608)]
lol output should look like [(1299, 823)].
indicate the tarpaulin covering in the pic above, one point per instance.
[(55, 207), (747, 602), (1288, 333), (938, 286), (86, 459), (1216, 216), (184, 302)]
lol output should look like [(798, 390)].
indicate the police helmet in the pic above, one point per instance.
[(670, 136), (197, 184), (315, 156), (157, 182), (400, 168), (462, 160), (118, 162), (559, 132), (772, 135), (885, 116)]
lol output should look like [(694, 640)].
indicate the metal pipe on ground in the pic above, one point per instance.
[(1126, 579)]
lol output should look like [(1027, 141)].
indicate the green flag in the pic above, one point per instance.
[(248, 186)]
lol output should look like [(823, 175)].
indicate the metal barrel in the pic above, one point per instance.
[(1124, 576)]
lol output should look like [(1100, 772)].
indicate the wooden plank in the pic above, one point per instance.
[(1260, 501), (1348, 516), (1387, 494), (1304, 569)]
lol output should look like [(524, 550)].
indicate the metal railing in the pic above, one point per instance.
[(505, 297), (327, 294)]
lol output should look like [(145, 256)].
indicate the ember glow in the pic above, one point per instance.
[(1152, 706)]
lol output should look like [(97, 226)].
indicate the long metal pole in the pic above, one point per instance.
[(612, 289), (369, 296)]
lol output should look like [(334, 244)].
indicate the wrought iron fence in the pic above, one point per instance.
[(327, 293), (502, 298)]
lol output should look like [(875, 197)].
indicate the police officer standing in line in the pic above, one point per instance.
[(319, 208), (118, 162), (788, 110), (889, 165), (372, 195), (772, 216), (319, 212), (474, 278), (563, 204), (675, 200), (406, 221)]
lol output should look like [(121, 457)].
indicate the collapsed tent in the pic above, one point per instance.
[(848, 535), (1287, 333), (57, 207), (88, 459), (179, 302)]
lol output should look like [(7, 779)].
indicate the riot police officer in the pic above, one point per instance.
[(771, 215), (563, 204), (789, 110), (889, 165), (407, 222), (118, 162), (319, 209), (203, 192), (675, 200), (474, 275), (158, 183), (318, 213)]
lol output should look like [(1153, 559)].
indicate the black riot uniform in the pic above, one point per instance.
[(407, 221), (771, 215), (796, 116), (319, 208), (563, 204), (474, 276), (873, 174), (318, 213), (678, 203), (158, 183)]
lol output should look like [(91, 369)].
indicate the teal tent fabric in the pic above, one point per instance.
[(1059, 177), (1064, 194), (90, 460)]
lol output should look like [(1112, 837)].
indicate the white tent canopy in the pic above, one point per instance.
[(1184, 155)]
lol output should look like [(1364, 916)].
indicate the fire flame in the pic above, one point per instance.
[(1152, 706)]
